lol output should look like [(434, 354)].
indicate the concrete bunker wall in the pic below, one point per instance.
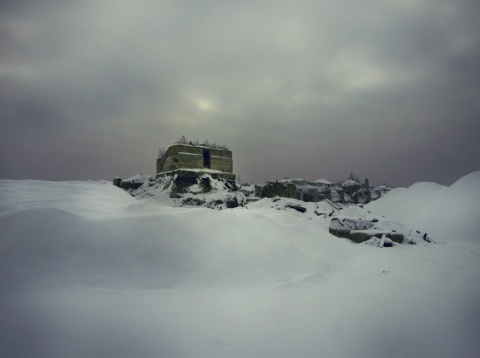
[(221, 160), (182, 156)]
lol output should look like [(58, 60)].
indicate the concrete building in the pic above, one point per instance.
[(198, 158)]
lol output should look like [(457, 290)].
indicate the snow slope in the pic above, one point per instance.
[(447, 213), (88, 271)]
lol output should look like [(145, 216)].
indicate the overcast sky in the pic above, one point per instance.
[(389, 90)]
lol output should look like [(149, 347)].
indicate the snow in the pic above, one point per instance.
[(323, 181), (215, 194), (89, 271), (196, 170), (186, 153), (446, 213), (350, 183), (139, 178)]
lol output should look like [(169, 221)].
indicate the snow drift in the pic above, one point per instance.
[(89, 271), (447, 213)]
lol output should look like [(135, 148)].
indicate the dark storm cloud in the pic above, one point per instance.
[(301, 89)]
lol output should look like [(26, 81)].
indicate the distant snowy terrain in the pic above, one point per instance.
[(203, 188), (89, 271)]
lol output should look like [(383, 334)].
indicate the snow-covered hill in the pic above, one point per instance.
[(86, 270), (447, 213)]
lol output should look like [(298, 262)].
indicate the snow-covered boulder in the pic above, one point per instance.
[(359, 230), (358, 225)]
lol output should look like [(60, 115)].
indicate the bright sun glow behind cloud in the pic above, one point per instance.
[(204, 104)]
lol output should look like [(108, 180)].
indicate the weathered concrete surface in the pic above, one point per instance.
[(184, 156)]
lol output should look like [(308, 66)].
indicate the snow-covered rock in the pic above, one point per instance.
[(192, 189), (358, 225), (349, 192)]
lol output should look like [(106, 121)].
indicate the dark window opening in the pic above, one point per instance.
[(206, 158)]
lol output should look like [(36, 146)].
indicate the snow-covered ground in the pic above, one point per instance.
[(86, 270)]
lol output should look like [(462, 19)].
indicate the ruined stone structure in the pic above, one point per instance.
[(198, 158), (321, 190), (297, 189)]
